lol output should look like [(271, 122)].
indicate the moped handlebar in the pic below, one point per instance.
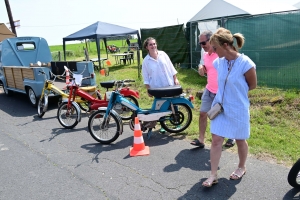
[(56, 76), (119, 84), (71, 78), (125, 81)]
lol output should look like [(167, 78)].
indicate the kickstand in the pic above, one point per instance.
[(149, 133)]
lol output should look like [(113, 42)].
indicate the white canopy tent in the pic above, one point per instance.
[(297, 5), (217, 9), (223, 8)]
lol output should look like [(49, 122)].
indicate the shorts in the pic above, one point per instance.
[(206, 100)]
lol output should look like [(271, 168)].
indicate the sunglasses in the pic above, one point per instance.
[(214, 49), (203, 43)]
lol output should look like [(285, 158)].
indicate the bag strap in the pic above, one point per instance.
[(230, 65)]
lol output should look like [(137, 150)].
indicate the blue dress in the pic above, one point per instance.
[(234, 121)]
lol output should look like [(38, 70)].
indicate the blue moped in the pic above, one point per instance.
[(170, 108)]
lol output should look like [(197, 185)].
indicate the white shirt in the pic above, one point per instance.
[(158, 73)]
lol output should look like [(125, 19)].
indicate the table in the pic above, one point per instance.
[(96, 60), (117, 55)]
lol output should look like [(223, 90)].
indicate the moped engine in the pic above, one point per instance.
[(150, 124), (144, 125), (119, 108)]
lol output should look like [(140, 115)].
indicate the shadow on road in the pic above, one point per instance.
[(223, 190), (156, 139)]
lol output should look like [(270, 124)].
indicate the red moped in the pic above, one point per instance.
[(69, 112)]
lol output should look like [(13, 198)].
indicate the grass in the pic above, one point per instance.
[(275, 113), (76, 51)]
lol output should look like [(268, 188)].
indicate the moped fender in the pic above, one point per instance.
[(182, 100), (163, 104), (45, 102), (127, 92), (76, 107), (118, 117)]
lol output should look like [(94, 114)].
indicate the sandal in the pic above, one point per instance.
[(237, 174), (197, 143), (212, 180), (230, 143)]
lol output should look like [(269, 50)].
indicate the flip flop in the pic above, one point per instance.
[(197, 143), (230, 143)]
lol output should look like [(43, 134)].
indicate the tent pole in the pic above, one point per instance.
[(98, 52), (86, 45), (64, 48)]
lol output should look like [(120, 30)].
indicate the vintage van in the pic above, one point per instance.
[(19, 71)]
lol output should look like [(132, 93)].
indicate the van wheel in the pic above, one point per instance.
[(5, 90), (32, 97)]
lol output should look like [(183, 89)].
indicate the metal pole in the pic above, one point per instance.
[(138, 61), (191, 57), (11, 21)]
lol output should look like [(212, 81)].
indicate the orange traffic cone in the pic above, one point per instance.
[(67, 75), (67, 78), (102, 72), (139, 148)]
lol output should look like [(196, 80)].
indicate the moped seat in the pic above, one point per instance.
[(88, 88), (170, 91), (108, 84)]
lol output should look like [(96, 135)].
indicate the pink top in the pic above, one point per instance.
[(212, 74)]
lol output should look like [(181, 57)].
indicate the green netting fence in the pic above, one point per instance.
[(170, 39), (272, 41)]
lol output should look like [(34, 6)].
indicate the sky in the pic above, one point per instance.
[(56, 19)]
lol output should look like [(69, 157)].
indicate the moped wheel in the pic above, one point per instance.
[(104, 132), (124, 111), (178, 122), (41, 106), (294, 175), (67, 117)]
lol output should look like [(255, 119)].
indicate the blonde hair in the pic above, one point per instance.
[(223, 35)]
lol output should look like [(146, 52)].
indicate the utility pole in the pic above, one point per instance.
[(11, 21)]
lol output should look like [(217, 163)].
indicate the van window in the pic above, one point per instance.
[(25, 46)]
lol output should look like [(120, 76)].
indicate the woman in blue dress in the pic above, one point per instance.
[(236, 76)]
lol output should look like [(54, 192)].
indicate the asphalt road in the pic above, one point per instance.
[(42, 160)]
